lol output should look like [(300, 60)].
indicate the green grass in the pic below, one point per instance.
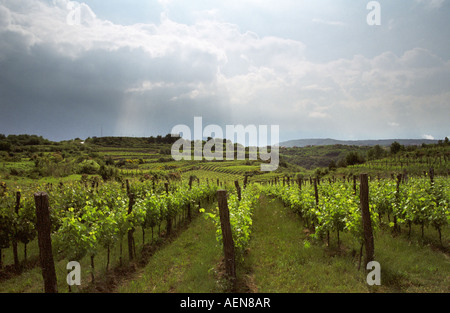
[(31, 281), (413, 264), (186, 265), (203, 175), (24, 165), (281, 260)]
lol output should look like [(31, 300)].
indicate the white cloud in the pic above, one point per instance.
[(432, 4), (149, 86), (317, 114), (5, 17), (165, 2), (331, 23), (428, 137), (172, 66)]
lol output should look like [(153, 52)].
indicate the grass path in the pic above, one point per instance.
[(276, 261), (185, 265), (282, 259)]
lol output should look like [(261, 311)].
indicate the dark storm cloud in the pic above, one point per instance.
[(86, 76), (45, 90)]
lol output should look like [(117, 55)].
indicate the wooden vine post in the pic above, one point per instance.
[(45, 243), (169, 217), (131, 202), (367, 223), (228, 243), (191, 178), (316, 193), (14, 240), (238, 189), (397, 197), (432, 175)]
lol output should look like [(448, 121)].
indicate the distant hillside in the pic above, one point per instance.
[(319, 156), (130, 142), (328, 142)]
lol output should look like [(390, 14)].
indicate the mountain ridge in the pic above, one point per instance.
[(371, 142)]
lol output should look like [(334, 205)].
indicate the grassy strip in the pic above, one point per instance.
[(30, 279), (188, 264), (282, 259)]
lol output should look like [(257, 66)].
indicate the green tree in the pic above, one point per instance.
[(353, 158), (376, 152), (5, 145), (396, 147), (332, 166)]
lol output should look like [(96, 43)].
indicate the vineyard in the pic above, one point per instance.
[(136, 220), (337, 209), (88, 219), (118, 223)]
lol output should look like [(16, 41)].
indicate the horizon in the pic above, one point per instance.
[(317, 69), (246, 145)]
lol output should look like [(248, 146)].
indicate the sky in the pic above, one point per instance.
[(317, 69)]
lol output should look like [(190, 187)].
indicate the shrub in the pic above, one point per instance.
[(15, 172), (88, 167), (108, 172)]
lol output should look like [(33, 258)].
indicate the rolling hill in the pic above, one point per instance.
[(328, 142)]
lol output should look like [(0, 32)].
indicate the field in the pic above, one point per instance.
[(144, 223)]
